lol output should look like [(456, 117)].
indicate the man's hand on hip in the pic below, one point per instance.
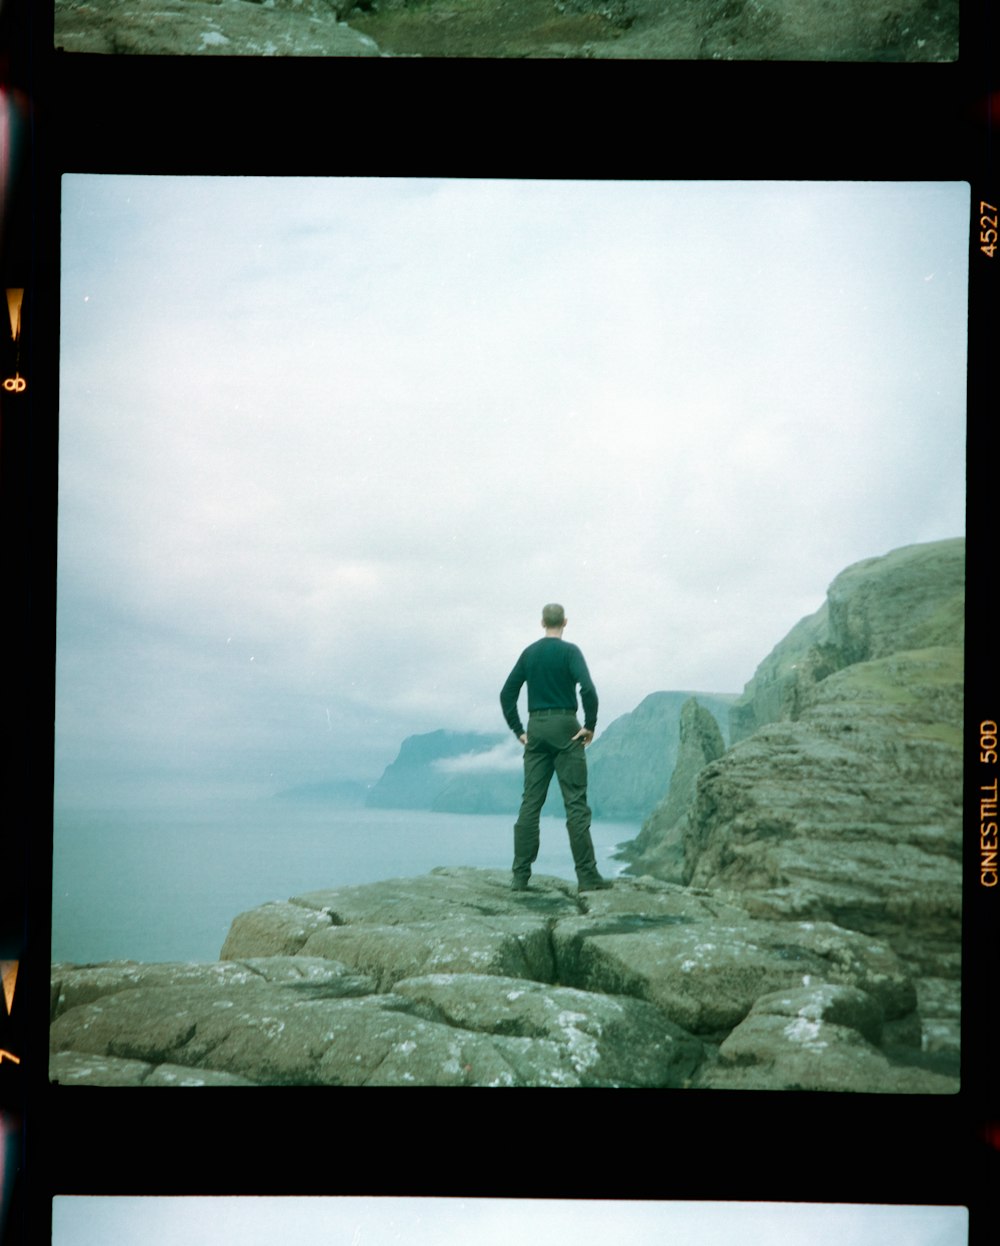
[(584, 735)]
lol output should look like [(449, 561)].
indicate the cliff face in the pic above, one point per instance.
[(630, 763), (910, 599), (414, 779), (660, 844), (841, 799)]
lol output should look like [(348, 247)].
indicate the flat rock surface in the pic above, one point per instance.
[(191, 28), (514, 946), (436, 1031), (452, 979), (442, 893), (73, 985), (706, 977), (73, 1068), (812, 1041), (830, 30), (607, 1040)]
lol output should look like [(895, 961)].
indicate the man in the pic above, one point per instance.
[(554, 741)]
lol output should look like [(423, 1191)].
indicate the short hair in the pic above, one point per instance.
[(553, 615)]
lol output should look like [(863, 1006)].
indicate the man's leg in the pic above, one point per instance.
[(571, 768), (538, 764)]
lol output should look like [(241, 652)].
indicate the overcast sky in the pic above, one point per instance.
[(327, 446), (496, 1222)]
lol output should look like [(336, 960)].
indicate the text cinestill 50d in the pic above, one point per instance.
[(988, 807)]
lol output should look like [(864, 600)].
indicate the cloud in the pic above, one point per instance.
[(502, 758)]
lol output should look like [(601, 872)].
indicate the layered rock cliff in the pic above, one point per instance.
[(841, 798), (909, 600)]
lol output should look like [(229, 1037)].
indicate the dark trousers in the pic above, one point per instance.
[(551, 748)]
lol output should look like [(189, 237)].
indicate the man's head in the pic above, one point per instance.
[(553, 617)]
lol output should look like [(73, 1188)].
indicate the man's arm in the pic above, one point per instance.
[(508, 698), (588, 693)]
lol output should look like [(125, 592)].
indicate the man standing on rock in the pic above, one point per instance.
[(554, 741)]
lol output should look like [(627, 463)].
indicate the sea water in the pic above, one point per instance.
[(165, 884)]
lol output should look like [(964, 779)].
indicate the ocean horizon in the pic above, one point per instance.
[(165, 884)]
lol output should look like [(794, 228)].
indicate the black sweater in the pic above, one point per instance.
[(552, 668)]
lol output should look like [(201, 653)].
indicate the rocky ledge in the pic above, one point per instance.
[(451, 979), (684, 30), (208, 28)]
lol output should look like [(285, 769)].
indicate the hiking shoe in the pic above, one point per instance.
[(597, 883), (519, 884)]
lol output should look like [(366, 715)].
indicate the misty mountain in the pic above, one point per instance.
[(416, 778), (629, 764)]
